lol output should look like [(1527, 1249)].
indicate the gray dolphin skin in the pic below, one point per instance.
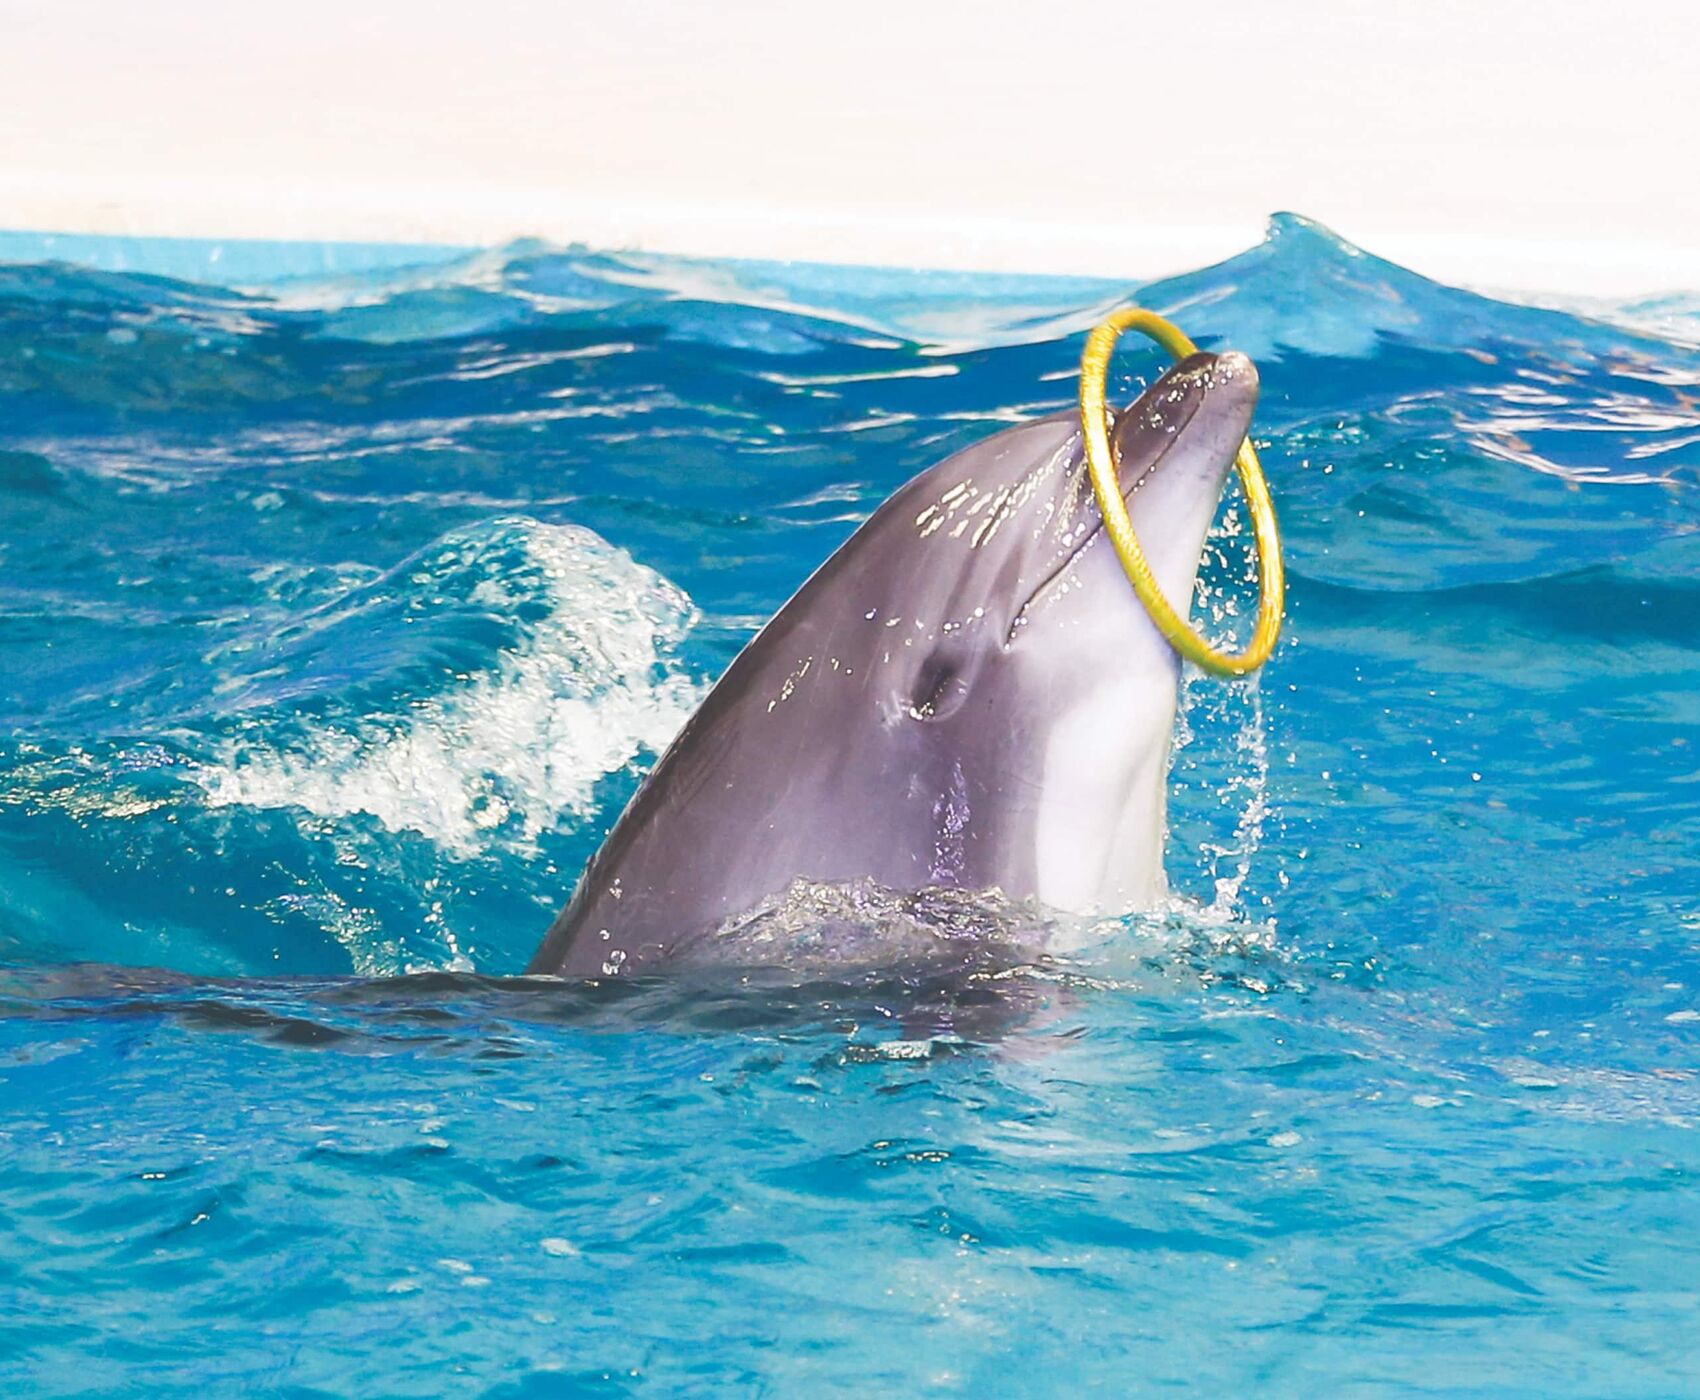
[(968, 693)]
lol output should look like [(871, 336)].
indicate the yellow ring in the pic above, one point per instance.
[(1094, 369)]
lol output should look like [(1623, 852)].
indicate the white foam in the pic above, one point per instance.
[(508, 753)]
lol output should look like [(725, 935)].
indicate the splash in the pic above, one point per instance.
[(826, 926), (1221, 737), (503, 756)]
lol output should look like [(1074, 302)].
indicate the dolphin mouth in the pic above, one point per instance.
[(1068, 560), (1130, 483)]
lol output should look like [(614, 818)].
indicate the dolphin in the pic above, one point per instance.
[(968, 694)]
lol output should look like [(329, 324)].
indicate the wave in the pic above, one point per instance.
[(590, 683), (1303, 289)]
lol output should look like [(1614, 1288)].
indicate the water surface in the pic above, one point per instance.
[(340, 614)]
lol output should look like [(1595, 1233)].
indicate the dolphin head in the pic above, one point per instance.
[(968, 693), (1033, 659)]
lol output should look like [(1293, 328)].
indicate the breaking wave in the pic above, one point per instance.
[(503, 754)]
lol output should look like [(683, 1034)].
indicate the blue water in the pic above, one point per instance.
[(340, 613)]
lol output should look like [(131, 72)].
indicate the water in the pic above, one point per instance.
[(341, 614)]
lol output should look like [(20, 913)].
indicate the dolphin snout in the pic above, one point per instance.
[(1234, 384), (1223, 416), (1190, 422), (1234, 372), (1178, 495)]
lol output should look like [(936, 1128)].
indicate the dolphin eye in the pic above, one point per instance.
[(941, 685)]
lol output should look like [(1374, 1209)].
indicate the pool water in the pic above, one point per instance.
[(340, 615)]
